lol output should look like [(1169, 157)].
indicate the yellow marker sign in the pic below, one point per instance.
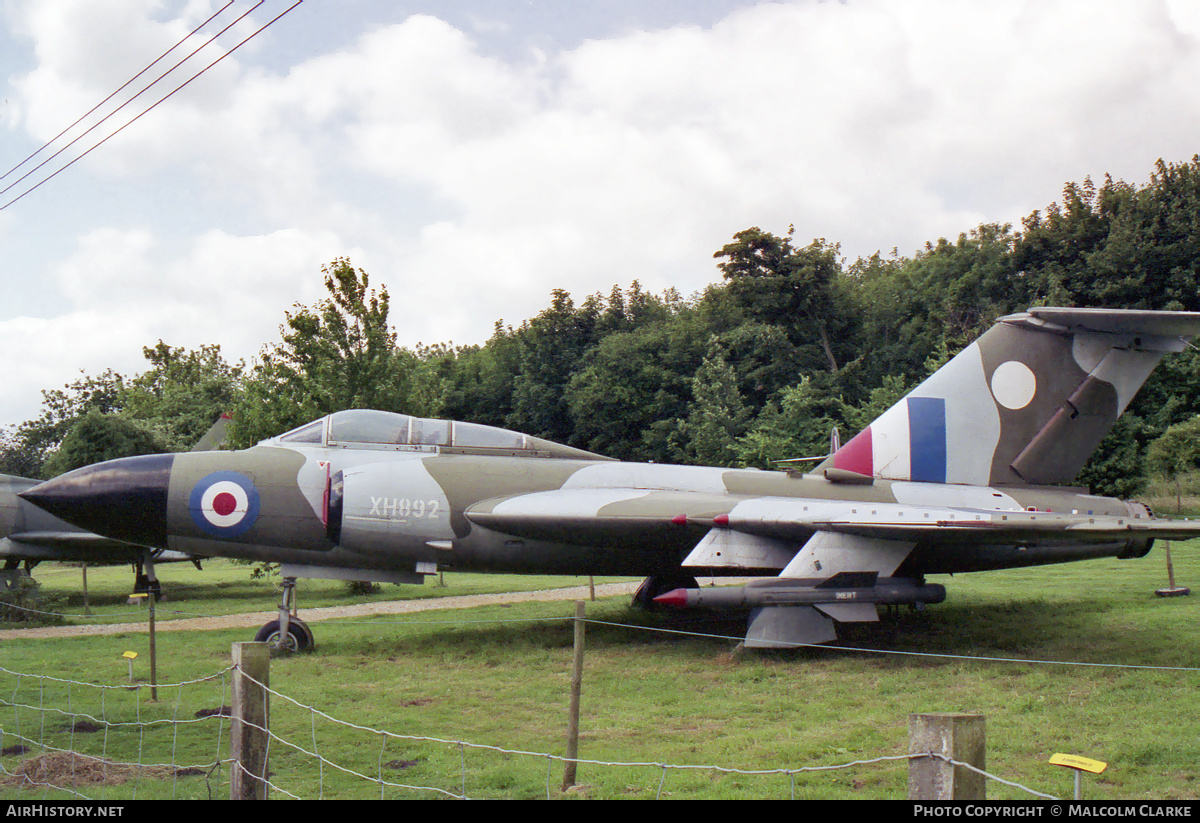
[(130, 655), (1074, 761)]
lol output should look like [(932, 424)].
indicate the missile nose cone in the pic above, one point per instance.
[(124, 499), (677, 598)]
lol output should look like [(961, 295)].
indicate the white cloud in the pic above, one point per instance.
[(122, 292), (236, 286), (472, 184), (88, 50)]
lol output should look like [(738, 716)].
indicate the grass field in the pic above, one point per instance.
[(1000, 646)]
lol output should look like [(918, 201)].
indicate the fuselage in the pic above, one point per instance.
[(524, 507)]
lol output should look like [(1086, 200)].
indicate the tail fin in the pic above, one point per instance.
[(215, 436), (1026, 403)]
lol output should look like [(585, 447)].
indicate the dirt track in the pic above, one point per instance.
[(256, 619)]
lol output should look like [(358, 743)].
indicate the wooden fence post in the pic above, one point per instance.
[(573, 712), (250, 716), (153, 650), (957, 736)]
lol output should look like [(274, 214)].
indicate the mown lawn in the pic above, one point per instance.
[(1081, 658)]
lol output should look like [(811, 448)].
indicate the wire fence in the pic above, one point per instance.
[(70, 738), (87, 741), (74, 739)]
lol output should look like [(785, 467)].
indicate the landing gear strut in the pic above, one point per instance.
[(145, 578), (289, 633), (12, 572)]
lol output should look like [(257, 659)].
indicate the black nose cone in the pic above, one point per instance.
[(123, 499)]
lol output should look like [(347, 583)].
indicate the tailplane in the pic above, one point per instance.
[(1026, 403)]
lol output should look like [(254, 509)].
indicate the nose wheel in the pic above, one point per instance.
[(289, 633), (296, 637)]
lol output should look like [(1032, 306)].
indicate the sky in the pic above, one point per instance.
[(474, 155)]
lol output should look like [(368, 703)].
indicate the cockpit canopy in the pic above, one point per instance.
[(365, 428)]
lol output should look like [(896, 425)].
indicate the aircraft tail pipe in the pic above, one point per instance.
[(1138, 546)]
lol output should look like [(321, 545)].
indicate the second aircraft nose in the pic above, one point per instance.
[(124, 499)]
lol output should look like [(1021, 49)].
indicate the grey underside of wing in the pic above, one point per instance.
[(65, 546)]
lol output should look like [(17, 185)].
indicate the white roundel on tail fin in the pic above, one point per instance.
[(1013, 384)]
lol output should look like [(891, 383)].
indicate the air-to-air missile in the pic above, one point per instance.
[(844, 588)]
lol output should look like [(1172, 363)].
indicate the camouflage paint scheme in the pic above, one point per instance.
[(951, 479), (1027, 403)]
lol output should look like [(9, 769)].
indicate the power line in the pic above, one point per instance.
[(90, 111), (150, 108), (96, 125)]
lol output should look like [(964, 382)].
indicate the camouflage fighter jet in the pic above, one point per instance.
[(29, 536), (958, 476)]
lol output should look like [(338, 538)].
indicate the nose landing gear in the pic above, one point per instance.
[(289, 633)]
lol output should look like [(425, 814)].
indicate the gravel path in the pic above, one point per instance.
[(256, 619)]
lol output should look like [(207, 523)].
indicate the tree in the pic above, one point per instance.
[(1150, 257), (169, 406), (97, 437), (1177, 450), (19, 456), (183, 392), (1115, 469), (478, 380), (718, 415), (799, 426), (339, 354), (633, 389), (1056, 245), (28, 446), (793, 288), (549, 349)]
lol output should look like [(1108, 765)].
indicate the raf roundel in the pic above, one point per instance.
[(1013, 384), (224, 504)]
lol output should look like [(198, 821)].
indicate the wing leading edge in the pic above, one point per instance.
[(778, 527)]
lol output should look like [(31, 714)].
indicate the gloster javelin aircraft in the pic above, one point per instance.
[(958, 476)]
